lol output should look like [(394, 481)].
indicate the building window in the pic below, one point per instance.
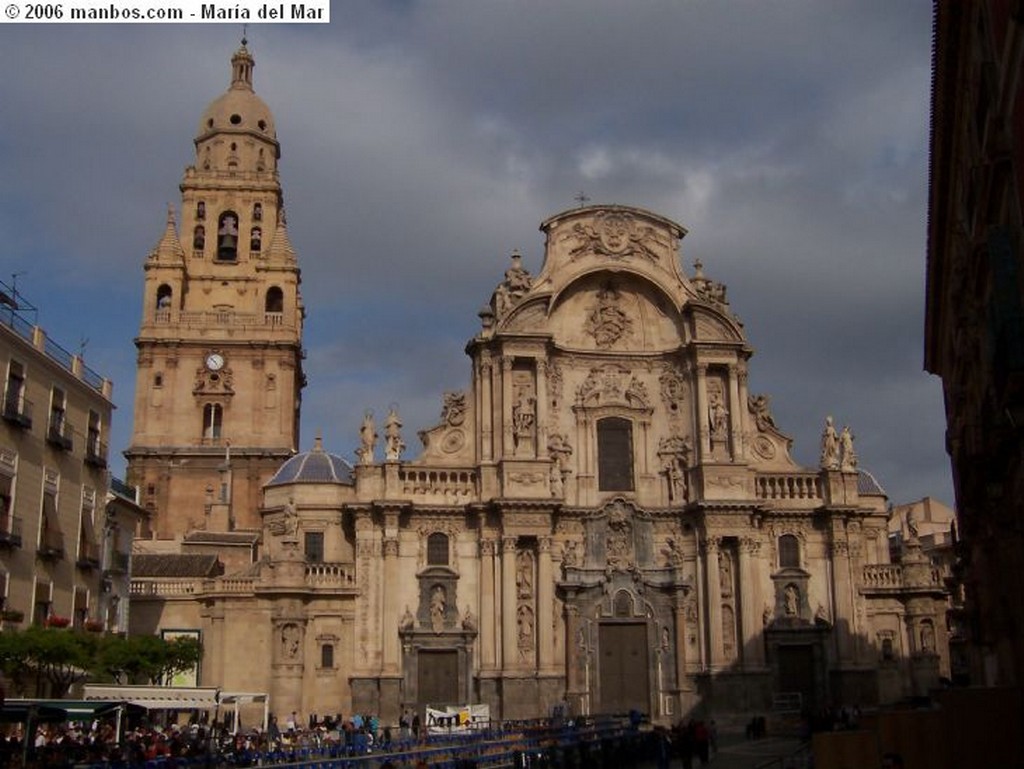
[(257, 212), (256, 239), (314, 546), (200, 210), (227, 237), (789, 552), (327, 656), (614, 454), (6, 495), (58, 433), (199, 238), (163, 297), (275, 300), (437, 549), (16, 408), (213, 417), (42, 603)]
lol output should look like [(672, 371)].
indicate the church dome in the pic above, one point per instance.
[(239, 109), (314, 466)]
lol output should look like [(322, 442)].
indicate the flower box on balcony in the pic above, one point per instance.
[(54, 621), (12, 615), (94, 625)]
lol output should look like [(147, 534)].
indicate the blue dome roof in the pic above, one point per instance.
[(314, 466)]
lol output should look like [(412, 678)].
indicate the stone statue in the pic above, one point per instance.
[(792, 596), (767, 615), (725, 575), (469, 621), (821, 616), (718, 417), (847, 456), (394, 446), (524, 574), (829, 446), (407, 622), (367, 439), (911, 524), (438, 606), (291, 518), (522, 415), (290, 641), (524, 623), (927, 637)]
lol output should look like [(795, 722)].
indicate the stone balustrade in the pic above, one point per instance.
[(202, 319), (788, 486), (444, 484), (883, 575), (165, 588), (330, 575)]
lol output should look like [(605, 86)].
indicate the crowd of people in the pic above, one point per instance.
[(689, 740)]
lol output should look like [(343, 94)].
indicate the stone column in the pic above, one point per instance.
[(508, 602), (367, 579), (389, 640), (751, 624), (703, 430), (484, 394), (541, 378), (545, 605), (506, 407), (744, 398), (679, 615), (735, 415), (842, 587), (714, 614), (489, 604)]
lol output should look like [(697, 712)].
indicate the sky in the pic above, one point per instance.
[(423, 141)]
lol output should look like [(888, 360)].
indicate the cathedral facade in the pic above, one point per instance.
[(605, 517)]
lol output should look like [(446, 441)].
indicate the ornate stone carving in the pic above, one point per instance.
[(524, 574), (291, 642), (673, 388), (725, 573), (764, 448), (511, 290), (636, 394), (619, 538), (674, 452), (673, 553), (438, 608), (560, 451), (760, 408), (570, 553), (526, 479), (607, 322), (453, 413), (718, 416), (555, 382), (616, 235)]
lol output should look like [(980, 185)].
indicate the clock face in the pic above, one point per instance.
[(215, 361)]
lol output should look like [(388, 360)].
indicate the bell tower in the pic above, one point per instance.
[(219, 368)]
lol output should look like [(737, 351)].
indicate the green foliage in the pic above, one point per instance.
[(63, 657)]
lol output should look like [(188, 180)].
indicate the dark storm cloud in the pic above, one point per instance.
[(423, 141)]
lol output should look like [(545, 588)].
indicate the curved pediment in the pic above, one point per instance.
[(710, 325)]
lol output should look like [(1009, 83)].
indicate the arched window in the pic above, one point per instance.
[(199, 238), (164, 295), (614, 454), (200, 210), (789, 552), (256, 239), (275, 300), (227, 237), (257, 211), (213, 417), (437, 549)]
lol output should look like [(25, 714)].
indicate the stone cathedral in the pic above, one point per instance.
[(604, 518)]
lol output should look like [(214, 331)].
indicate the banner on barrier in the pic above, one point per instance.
[(444, 719)]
